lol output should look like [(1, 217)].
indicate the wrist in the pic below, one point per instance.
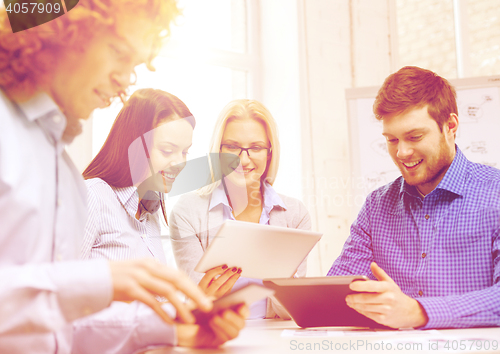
[(186, 334), (421, 317)]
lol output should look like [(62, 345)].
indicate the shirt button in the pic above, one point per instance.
[(144, 236), (427, 217), (56, 118), (420, 293), (59, 202), (59, 257), (424, 255)]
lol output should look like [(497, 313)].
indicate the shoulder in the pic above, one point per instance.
[(387, 195), (483, 174), (97, 190), (292, 204)]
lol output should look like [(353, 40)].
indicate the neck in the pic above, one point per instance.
[(242, 197)]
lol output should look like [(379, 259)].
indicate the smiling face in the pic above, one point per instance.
[(87, 79), (246, 133), (421, 151), (171, 142)]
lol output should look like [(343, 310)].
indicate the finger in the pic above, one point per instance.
[(243, 310), (179, 280), (365, 298), (145, 297), (228, 285), (227, 324), (374, 308), (379, 273), (369, 286), (210, 274), (224, 277)]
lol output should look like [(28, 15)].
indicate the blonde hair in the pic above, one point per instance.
[(246, 109)]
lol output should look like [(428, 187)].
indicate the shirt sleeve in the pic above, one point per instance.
[(123, 328), (357, 253), (186, 244), (47, 296), (472, 309)]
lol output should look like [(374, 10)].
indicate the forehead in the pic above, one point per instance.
[(417, 118), (178, 132), (137, 33), (245, 129)]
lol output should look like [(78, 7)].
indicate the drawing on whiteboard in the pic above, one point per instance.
[(380, 147), (473, 110), (477, 147)]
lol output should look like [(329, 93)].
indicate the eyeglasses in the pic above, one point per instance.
[(254, 151)]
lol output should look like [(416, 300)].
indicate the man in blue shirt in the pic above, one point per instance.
[(431, 237)]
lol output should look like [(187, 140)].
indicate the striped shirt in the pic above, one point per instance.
[(113, 232), (442, 250)]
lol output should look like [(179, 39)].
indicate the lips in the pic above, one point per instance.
[(168, 176), (244, 171), (413, 164)]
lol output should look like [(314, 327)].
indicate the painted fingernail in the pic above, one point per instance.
[(224, 266), (234, 270), (239, 271)]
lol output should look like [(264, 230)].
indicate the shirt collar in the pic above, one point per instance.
[(270, 197), (453, 180), (42, 108)]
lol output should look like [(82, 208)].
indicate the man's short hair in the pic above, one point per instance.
[(411, 88), (27, 58)]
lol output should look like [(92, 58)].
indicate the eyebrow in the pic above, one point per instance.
[(235, 142), (413, 131)]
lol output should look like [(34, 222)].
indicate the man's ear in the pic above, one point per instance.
[(452, 124)]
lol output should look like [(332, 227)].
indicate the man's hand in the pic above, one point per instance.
[(221, 327), (219, 280), (142, 279), (385, 303)]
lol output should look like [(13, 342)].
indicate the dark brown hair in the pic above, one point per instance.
[(144, 111), (413, 87)]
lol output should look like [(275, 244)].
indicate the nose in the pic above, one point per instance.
[(404, 150), (244, 157), (122, 79)]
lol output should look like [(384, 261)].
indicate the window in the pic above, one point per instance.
[(455, 38)]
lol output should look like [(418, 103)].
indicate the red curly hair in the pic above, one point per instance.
[(27, 58)]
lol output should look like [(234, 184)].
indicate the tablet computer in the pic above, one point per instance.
[(246, 295), (261, 251), (320, 302)]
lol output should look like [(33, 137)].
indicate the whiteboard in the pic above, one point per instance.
[(478, 135)]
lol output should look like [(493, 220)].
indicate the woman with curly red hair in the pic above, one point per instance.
[(51, 76)]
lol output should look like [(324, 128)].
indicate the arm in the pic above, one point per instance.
[(185, 240), (45, 297), (472, 309), (133, 327)]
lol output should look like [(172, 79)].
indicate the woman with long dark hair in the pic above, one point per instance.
[(144, 152)]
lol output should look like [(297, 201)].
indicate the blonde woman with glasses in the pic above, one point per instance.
[(247, 129)]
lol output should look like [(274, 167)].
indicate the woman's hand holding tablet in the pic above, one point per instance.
[(219, 280)]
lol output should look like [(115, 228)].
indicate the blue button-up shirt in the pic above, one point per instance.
[(443, 250)]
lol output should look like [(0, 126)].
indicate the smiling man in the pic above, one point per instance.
[(431, 237), (51, 77)]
